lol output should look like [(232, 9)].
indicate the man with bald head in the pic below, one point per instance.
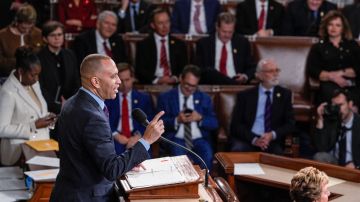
[(89, 164), (263, 115)]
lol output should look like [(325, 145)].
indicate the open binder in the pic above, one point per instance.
[(167, 177)]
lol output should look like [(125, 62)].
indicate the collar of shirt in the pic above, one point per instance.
[(96, 98), (258, 4), (100, 39), (128, 95), (219, 42), (137, 5), (158, 37), (349, 123), (181, 100), (194, 3), (262, 89)]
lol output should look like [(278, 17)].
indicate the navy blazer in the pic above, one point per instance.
[(169, 102), (247, 21), (88, 162), (180, 18), (241, 53), (138, 100), (244, 114), (85, 44)]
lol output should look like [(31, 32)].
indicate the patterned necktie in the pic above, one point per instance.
[(196, 20), (187, 130), (342, 146), (223, 60), (125, 126), (267, 122), (106, 111), (163, 59), (107, 49), (261, 20)]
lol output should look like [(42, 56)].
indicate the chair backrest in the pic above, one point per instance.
[(225, 191), (291, 55)]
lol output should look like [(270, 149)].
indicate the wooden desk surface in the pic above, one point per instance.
[(279, 171)]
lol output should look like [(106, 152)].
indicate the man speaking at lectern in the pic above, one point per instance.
[(88, 162)]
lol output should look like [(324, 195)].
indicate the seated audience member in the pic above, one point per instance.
[(133, 16), (189, 117), (24, 115), (263, 115), (194, 16), (352, 13), (77, 15), (160, 57), (102, 40), (337, 132), (303, 17), (127, 131), (335, 59), (225, 57), (59, 78), (20, 33), (309, 185), (259, 17)]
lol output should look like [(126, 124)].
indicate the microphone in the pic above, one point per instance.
[(141, 117)]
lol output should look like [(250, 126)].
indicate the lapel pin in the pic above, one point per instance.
[(113, 44), (271, 7), (235, 50), (38, 44), (197, 101), (136, 101), (278, 95), (172, 42), (70, 5), (322, 13), (142, 11)]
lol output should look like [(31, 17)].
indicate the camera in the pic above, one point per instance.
[(331, 111)]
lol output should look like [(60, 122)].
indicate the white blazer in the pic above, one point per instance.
[(17, 118)]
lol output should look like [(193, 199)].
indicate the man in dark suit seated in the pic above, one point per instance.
[(352, 13), (259, 17), (102, 40), (262, 115), (133, 16), (189, 116), (225, 57), (337, 132), (194, 16), (303, 17), (160, 57), (89, 164), (126, 131)]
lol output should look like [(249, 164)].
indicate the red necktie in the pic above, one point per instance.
[(163, 59), (125, 126), (261, 20), (223, 60), (107, 50), (196, 19)]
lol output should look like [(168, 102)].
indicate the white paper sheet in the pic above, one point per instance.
[(248, 169), (10, 172), (44, 161), (12, 184), (7, 196), (38, 175)]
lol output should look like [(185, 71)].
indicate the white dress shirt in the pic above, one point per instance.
[(128, 97), (230, 68), (159, 72), (99, 43), (202, 18)]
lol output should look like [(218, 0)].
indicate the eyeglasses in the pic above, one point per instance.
[(272, 71), (56, 34), (188, 85)]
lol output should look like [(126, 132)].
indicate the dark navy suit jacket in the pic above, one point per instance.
[(138, 100), (88, 162), (169, 102), (180, 18)]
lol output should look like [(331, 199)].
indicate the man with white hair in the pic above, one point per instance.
[(102, 40), (263, 115)]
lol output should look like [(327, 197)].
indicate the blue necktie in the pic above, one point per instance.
[(267, 116)]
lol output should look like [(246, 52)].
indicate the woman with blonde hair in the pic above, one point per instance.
[(309, 185), (334, 61)]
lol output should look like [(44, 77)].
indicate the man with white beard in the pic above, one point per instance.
[(263, 115)]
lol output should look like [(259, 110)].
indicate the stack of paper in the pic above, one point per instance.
[(43, 175), (44, 161)]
